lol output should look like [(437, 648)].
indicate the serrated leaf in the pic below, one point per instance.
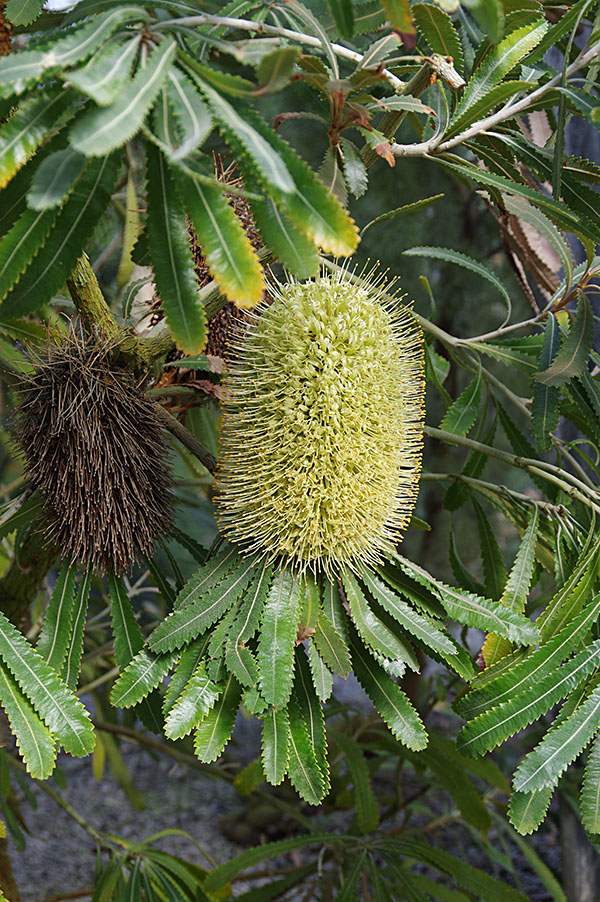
[(72, 664), (343, 16), (214, 731), (321, 675), (407, 617), (275, 69), (310, 606), (36, 119), (370, 628), (312, 711), (516, 589), (402, 211), (452, 776), (238, 658), (493, 565), (528, 213), (105, 76), (574, 352), (303, 768), (499, 62), (495, 726), (209, 575), (194, 703), (71, 228), (99, 131), (471, 610), (191, 113), (451, 256), (590, 790), (54, 179), (334, 608), (172, 258), (308, 204), (439, 31), (332, 647), (398, 13), (378, 51), (23, 12), (187, 622), (277, 639), (332, 175), (20, 69), (62, 712), (55, 634), (389, 700), (275, 744), (367, 810), (496, 96), (225, 246), (128, 639), (527, 810), (355, 171), (560, 746), (144, 673), (190, 658), (34, 739), (462, 413)]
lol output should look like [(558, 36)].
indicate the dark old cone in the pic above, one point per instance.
[(95, 450)]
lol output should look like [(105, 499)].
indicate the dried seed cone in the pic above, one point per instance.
[(321, 438), (95, 451)]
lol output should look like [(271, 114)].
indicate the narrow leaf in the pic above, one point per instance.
[(34, 739), (371, 629), (214, 731), (194, 703), (105, 76), (54, 179), (367, 810), (56, 631), (36, 119), (275, 744), (573, 355), (590, 790), (72, 664), (544, 407), (303, 769), (332, 648), (277, 639), (143, 674), (527, 810), (451, 256)]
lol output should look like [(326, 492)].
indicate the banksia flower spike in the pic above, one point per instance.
[(321, 439), (94, 449)]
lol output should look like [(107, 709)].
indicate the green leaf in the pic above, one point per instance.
[(499, 62), (574, 352), (55, 634), (225, 246), (343, 16), (402, 211), (389, 700), (194, 703), (378, 51), (332, 648), (31, 65), (275, 69), (214, 731), (415, 623), (496, 96), (275, 744), (72, 227), (525, 211), (462, 413), (452, 256), (493, 566), (560, 746), (367, 810), (37, 118), (458, 494), (62, 712), (191, 113), (187, 622), (72, 663), (544, 408), (127, 633), (516, 589), (23, 12), (54, 179), (172, 258), (238, 658), (277, 639), (209, 575), (493, 727), (439, 31), (20, 245), (355, 171), (143, 674), (474, 611), (321, 675), (99, 131), (590, 790), (34, 739), (312, 711), (106, 75), (398, 14), (527, 810), (303, 768), (334, 608), (310, 601), (180, 677), (370, 628), (451, 774), (308, 204)]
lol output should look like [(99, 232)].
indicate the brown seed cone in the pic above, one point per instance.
[(5, 31), (96, 452)]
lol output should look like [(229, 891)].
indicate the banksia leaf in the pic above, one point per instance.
[(189, 660), (214, 731), (56, 631), (312, 711), (55, 178), (225, 247), (208, 575), (332, 648), (303, 768), (128, 639), (36, 119), (275, 744), (590, 790), (105, 77), (143, 674), (527, 810), (95, 450), (172, 258), (277, 639), (321, 675), (370, 628), (325, 358), (72, 664), (367, 811), (194, 703), (34, 739)]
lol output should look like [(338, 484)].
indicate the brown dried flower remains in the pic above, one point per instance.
[(95, 450)]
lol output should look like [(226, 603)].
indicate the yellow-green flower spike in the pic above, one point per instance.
[(321, 438)]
